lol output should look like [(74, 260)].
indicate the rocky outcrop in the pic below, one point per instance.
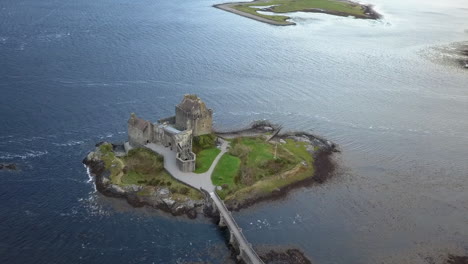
[(8, 166), (159, 197), (284, 256), (457, 260)]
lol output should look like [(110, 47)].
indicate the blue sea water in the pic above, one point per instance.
[(72, 71)]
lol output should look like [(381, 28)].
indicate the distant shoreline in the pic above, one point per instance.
[(367, 9), (228, 7)]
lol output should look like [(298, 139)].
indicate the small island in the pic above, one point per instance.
[(168, 164), (180, 165), (333, 7)]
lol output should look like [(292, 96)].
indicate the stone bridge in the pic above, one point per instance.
[(236, 238), (203, 182)]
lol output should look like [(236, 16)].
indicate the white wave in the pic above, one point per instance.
[(108, 135), (69, 143), (31, 139), (27, 155), (90, 177)]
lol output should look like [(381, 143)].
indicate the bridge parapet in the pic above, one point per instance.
[(237, 239)]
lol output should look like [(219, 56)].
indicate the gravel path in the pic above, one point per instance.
[(201, 180)]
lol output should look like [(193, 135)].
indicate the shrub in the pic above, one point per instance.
[(275, 165), (204, 142), (173, 190), (240, 151), (247, 176), (105, 148), (184, 190)]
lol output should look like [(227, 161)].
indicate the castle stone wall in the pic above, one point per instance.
[(200, 124), (140, 131), (192, 118), (203, 125), (186, 165)]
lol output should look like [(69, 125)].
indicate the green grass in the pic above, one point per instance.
[(253, 11), (257, 171), (298, 149), (286, 6), (205, 158), (203, 142), (260, 151), (112, 163), (226, 170), (146, 168)]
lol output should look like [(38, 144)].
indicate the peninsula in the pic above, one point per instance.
[(260, 9)]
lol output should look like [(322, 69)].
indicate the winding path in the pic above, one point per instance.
[(203, 181), (196, 180)]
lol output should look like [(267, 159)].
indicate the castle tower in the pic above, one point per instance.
[(192, 114), (139, 131)]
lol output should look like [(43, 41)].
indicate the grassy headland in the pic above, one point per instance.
[(333, 7), (255, 168)]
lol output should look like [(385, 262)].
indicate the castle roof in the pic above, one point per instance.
[(191, 103), (138, 123), (171, 130)]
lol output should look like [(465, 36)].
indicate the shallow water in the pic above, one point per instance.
[(72, 71)]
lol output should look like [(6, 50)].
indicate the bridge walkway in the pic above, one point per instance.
[(244, 246)]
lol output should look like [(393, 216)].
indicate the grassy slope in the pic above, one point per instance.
[(269, 173), (285, 6), (204, 147), (144, 167), (205, 158), (112, 163)]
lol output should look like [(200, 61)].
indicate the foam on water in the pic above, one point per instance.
[(27, 155)]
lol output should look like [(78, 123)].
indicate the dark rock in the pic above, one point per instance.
[(457, 259), (192, 213), (11, 166), (285, 257), (8, 166)]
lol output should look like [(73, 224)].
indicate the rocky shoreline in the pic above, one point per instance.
[(322, 151), (282, 256), (463, 50), (452, 259), (156, 197), (454, 55)]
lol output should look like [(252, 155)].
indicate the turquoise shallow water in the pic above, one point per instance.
[(72, 71)]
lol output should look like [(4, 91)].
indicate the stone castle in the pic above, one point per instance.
[(192, 118)]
